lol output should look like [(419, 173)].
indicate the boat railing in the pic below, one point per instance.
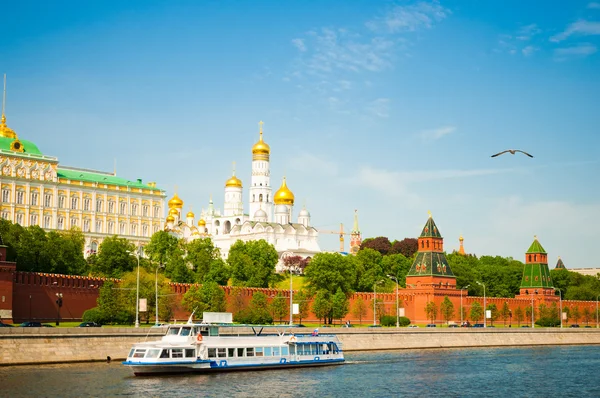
[(321, 338)]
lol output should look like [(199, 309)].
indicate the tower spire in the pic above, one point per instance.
[(233, 166), (260, 127), (4, 101)]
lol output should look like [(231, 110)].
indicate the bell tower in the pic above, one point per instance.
[(536, 275)]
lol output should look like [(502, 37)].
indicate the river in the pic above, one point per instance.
[(566, 371)]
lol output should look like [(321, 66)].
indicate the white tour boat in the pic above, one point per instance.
[(198, 347)]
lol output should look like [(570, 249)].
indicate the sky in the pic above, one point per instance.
[(390, 108)]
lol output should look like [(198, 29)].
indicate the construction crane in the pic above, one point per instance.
[(340, 232)]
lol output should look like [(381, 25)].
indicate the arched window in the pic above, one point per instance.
[(535, 257), (428, 244), (260, 197), (422, 245), (529, 258), (253, 198)]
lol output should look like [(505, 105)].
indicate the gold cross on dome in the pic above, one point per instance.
[(260, 125)]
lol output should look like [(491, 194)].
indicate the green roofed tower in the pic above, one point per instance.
[(430, 267), (560, 264), (536, 275)]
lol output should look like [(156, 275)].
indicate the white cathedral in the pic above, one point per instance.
[(269, 218)]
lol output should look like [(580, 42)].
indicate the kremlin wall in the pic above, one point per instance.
[(32, 296)]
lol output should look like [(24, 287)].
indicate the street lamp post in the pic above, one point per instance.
[(137, 290), (374, 302), (484, 306), (59, 303), (156, 291), (532, 311), (461, 305), (283, 256), (397, 301), (560, 305)]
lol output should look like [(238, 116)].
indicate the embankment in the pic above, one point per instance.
[(20, 346)]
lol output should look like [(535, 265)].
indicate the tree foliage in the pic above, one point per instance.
[(322, 304), (431, 309), (359, 309), (258, 311), (279, 307), (252, 263), (339, 305), (115, 257), (447, 309), (330, 271), (380, 244), (407, 247)]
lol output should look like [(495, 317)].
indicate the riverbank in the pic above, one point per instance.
[(22, 346)]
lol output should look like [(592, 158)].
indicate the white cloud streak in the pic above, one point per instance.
[(379, 107), (436, 134), (594, 5), (410, 18), (580, 50), (299, 44), (579, 28)]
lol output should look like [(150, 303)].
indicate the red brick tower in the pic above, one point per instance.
[(7, 270)]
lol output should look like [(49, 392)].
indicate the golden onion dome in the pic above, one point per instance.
[(6, 131), (175, 202), (283, 196), (190, 214), (173, 212), (261, 149), (201, 222), (233, 182), (170, 219)]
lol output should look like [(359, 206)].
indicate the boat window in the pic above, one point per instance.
[(259, 351), (292, 349), (222, 352), (173, 331), (240, 352), (164, 354), (190, 353), (131, 352), (153, 353), (267, 351), (185, 331), (275, 351), (214, 331), (284, 350), (212, 352), (231, 352), (204, 332), (250, 351), (176, 353), (139, 353)]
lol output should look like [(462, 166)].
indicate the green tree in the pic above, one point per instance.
[(494, 313), (381, 244), (528, 312), (587, 315), (340, 305), (206, 261), (322, 304), (303, 300), (431, 309), (237, 301), (369, 269), (407, 247), (519, 316), (575, 314), (476, 313), (330, 271), (112, 306), (162, 248), (505, 312), (359, 309), (115, 257), (252, 263), (397, 265), (279, 307), (206, 298), (447, 309)]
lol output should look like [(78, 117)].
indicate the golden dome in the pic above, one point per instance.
[(201, 222), (283, 196), (6, 131), (173, 212), (233, 182), (261, 149), (175, 202), (170, 219), (190, 214)]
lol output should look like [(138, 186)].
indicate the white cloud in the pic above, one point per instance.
[(309, 163), (379, 107), (529, 50), (580, 28), (581, 50), (594, 5), (409, 18), (436, 134), (527, 32), (299, 44)]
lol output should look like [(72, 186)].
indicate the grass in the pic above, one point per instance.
[(297, 283)]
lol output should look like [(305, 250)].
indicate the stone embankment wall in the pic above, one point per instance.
[(20, 346)]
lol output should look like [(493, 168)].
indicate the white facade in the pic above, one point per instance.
[(270, 215)]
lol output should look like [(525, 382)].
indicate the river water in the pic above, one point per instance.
[(488, 372)]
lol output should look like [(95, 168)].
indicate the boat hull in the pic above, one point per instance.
[(159, 369)]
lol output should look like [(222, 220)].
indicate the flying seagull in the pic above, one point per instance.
[(512, 152)]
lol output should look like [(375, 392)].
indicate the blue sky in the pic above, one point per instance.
[(391, 108)]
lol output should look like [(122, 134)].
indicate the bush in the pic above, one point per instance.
[(404, 321), (250, 317), (93, 315), (548, 322), (388, 320)]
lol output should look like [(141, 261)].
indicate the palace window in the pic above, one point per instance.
[(98, 226), (134, 210), (156, 211), (74, 203), (144, 230), (47, 221), (122, 229), (98, 205), (61, 223), (111, 207), (20, 197), (5, 195), (86, 204), (5, 215), (33, 219), (86, 225), (47, 200), (34, 198), (20, 218), (145, 211), (111, 227), (61, 202), (123, 207), (134, 230), (73, 222), (155, 228)]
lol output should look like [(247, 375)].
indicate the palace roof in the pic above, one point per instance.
[(101, 178)]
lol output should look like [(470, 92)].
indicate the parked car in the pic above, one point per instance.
[(574, 325), (431, 325), (5, 325), (89, 325), (453, 325), (31, 325), (478, 325), (47, 325), (160, 325), (413, 326)]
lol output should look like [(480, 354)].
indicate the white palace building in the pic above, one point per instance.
[(270, 216)]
